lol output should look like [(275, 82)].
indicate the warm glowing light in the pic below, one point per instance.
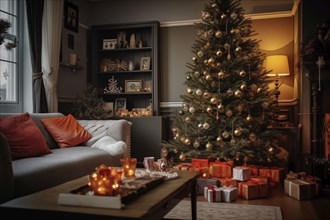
[(278, 65)]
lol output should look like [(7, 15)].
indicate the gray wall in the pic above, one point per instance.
[(175, 42)]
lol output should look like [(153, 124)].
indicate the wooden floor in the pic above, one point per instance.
[(318, 208)]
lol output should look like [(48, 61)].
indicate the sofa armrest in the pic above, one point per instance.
[(6, 171), (117, 129)]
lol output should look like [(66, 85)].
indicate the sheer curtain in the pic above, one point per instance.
[(51, 43)]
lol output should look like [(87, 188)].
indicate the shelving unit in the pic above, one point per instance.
[(113, 64)]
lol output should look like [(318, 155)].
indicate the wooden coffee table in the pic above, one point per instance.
[(153, 204)]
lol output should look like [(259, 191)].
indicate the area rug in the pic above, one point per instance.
[(227, 211)]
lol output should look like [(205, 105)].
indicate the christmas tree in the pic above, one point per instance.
[(227, 109)]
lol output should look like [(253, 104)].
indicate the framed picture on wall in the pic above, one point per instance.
[(120, 103), (133, 85), (145, 63), (71, 19)]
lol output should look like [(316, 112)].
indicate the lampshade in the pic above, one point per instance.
[(278, 64)]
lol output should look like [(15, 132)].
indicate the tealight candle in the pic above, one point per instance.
[(129, 167)]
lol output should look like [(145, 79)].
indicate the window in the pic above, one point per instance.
[(9, 65)]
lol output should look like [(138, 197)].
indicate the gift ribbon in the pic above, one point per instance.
[(212, 188)]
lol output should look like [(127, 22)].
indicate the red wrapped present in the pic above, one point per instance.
[(212, 193), (277, 174), (227, 182), (202, 182), (229, 194), (254, 169), (260, 178), (241, 173), (201, 169), (200, 162), (253, 189), (220, 169), (265, 172), (183, 166)]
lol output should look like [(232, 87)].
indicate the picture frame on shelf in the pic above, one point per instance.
[(120, 103), (145, 63), (133, 85), (110, 44), (71, 18), (108, 107)]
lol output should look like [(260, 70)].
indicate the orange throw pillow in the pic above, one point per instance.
[(24, 137), (66, 131)]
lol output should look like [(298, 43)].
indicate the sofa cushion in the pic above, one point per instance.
[(62, 165), (110, 145), (66, 131), (24, 137)]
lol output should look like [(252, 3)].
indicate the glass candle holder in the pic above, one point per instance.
[(129, 166), (105, 181)]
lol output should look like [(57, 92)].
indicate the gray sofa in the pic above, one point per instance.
[(28, 175)]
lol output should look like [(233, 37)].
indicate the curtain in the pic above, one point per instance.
[(51, 44), (34, 10)]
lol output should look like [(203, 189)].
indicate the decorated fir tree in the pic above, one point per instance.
[(227, 108)]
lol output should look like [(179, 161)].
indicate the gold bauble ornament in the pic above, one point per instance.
[(187, 141), (254, 87), (243, 87), (196, 144), (221, 107), (232, 141), (199, 92), (242, 73), (209, 146), (218, 34), (225, 134), (208, 77), (182, 138), (237, 132), (206, 125), (188, 77), (259, 90), (185, 109), (221, 74), (238, 50), (219, 139), (233, 16), (190, 90), (230, 92), (249, 118), (238, 93), (209, 109), (207, 45), (188, 119), (226, 46), (184, 104), (223, 16), (181, 112), (200, 53), (210, 61), (219, 52), (214, 100), (229, 113), (206, 94), (175, 130), (182, 157), (214, 5), (206, 63), (240, 108), (197, 74), (192, 110), (194, 59)]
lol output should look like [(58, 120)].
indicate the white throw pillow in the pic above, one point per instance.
[(111, 145)]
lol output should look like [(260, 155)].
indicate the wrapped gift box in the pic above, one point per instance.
[(227, 182), (202, 183), (220, 169), (276, 174), (212, 193), (300, 189), (241, 173), (260, 178), (254, 169), (253, 189), (200, 162), (183, 166), (229, 194)]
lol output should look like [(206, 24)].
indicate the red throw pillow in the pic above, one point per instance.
[(24, 137), (66, 131)]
